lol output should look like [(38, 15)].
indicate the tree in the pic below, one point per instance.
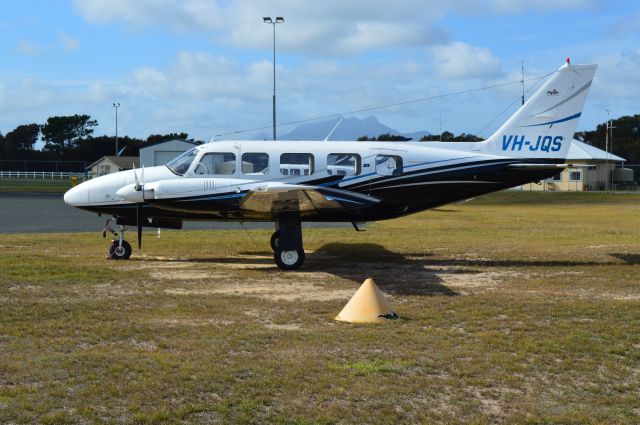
[(2, 146), (449, 137), (157, 138), (65, 132), (21, 140), (94, 148), (388, 137), (625, 136)]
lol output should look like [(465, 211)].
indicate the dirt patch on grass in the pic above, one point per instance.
[(176, 323), (275, 289), (456, 277)]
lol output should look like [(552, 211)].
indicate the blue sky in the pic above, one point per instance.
[(204, 66)]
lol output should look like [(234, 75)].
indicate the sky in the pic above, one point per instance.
[(205, 67)]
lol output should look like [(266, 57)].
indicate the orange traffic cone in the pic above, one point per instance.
[(368, 305)]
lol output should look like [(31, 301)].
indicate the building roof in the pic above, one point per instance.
[(171, 141), (124, 162), (582, 151)]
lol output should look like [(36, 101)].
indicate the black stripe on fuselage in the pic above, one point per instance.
[(409, 192)]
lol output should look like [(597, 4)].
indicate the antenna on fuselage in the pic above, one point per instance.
[(334, 129), (522, 80)]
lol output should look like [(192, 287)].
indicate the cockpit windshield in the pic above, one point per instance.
[(180, 164)]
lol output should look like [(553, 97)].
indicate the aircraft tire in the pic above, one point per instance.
[(275, 240), (289, 260), (115, 253)]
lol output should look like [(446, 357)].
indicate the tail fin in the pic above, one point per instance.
[(544, 126)]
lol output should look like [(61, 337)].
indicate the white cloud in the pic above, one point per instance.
[(29, 48), (68, 42), (461, 60), (180, 15), (617, 76), (522, 6), (331, 26)]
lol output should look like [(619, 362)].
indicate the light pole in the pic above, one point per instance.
[(278, 20), (116, 105)]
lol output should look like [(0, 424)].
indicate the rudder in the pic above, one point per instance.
[(544, 126)]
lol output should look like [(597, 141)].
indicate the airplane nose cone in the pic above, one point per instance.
[(77, 196)]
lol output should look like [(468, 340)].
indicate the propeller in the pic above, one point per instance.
[(139, 205)]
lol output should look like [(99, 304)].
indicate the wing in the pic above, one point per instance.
[(280, 197)]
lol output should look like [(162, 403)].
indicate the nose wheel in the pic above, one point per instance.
[(119, 251), (119, 248)]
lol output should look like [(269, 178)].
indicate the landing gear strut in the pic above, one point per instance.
[(119, 248), (287, 242)]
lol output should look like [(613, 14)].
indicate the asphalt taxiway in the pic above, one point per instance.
[(47, 213)]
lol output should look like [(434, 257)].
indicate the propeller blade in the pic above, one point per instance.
[(139, 218), (135, 175), (142, 181)]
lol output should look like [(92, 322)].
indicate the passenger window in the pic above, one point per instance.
[(343, 164), (255, 163), (217, 163), (296, 164), (389, 165)]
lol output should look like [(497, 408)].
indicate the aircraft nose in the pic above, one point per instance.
[(77, 196)]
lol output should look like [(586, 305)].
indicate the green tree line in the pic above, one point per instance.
[(70, 138), (624, 137)]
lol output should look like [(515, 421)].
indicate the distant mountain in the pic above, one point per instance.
[(417, 135), (349, 129)]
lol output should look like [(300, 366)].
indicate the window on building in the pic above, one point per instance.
[(575, 176), (388, 165), (296, 164), (557, 177), (255, 163), (104, 169), (217, 163), (343, 164)]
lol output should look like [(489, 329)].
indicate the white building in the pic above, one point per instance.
[(604, 169), (162, 152), (112, 164)]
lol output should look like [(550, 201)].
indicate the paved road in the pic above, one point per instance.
[(47, 213)]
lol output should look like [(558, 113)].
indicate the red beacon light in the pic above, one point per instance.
[(568, 61)]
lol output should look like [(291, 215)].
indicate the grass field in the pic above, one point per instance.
[(515, 308), (34, 185)]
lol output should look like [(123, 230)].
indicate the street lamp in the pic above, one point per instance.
[(116, 105), (608, 144), (278, 20)]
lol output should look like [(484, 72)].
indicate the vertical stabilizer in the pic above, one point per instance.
[(544, 126)]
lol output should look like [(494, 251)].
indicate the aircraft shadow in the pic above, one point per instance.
[(393, 272), (631, 259), (416, 273)]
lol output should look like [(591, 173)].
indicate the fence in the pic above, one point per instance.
[(42, 175)]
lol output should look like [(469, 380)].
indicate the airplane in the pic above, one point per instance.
[(288, 183)]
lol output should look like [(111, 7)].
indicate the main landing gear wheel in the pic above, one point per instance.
[(275, 240), (119, 252), (289, 260)]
